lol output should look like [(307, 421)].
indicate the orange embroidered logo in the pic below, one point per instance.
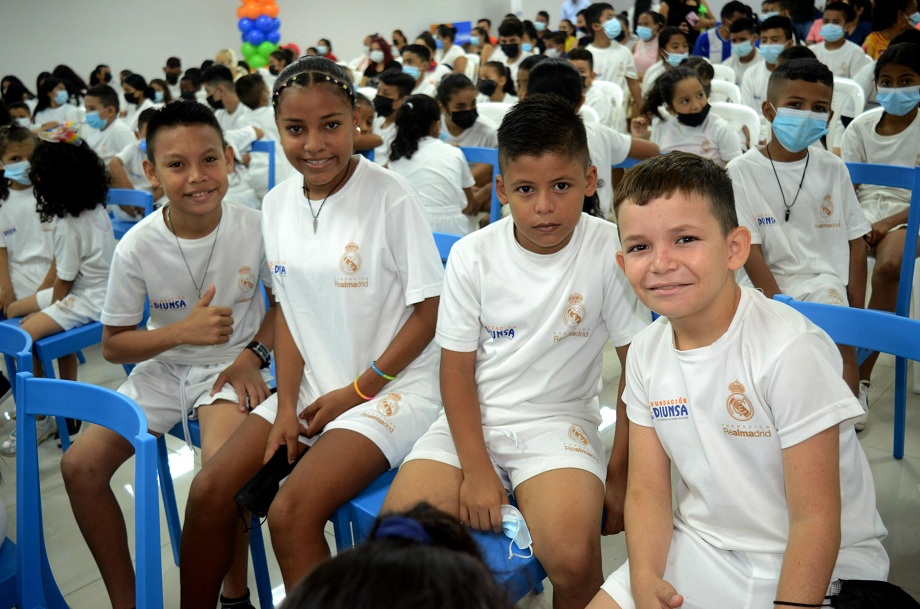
[(247, 280), (827, 206), (739, 406), (389, 405), (350, 262), (574, 313), (578, 434)]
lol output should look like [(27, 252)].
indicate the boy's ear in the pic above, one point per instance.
[(150, 171), (621, 260), (228, 158), (500, 190), (591, 181), (768, 112), (739, 247)]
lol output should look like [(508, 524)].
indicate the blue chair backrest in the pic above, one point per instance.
[(486, 156), (128, 197), (268, 147), (16, 347), (368, 154), (626, 164), (445, 242), (35, 396)]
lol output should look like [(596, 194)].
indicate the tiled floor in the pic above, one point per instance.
[(897, 484)]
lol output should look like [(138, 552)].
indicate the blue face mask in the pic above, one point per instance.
[(412, 71), (142, 145), (898, 102), (742, 49), (526, 47), (18, 172), (771, 52), (645, 33), (95, 121), (832, 32), (613, 29), (539, 26), (914, 19), (674, 59), (61, 97), (158, 97), (766, 16), (438, 43), (322, 49), (474, 40), (796, 130), (515, 528)]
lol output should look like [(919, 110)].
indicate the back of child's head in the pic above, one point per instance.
[(778, 22), (911, 36), (309, 71), (530, 61), (19, 109), (420, 50), (413, 122), (796, 51), (394, 77), (849, 13), (450, 85), (886, 13), (106, 95), (808, 70), (502, 70), (143, 119), (582, 55), (744, 24), (666, 175), (656, 17), (699, 65), (10, 135), (16, 91), (903, 54), (447, 31), (69, 178), (250, 89), (556, 77), (427, 40), (217, 75), (416, 560), (180, 113), (511, 27), (662, 93), (733, 7)]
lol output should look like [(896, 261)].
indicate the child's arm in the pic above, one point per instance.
[(119, 175), (617, 467), (649, 520), (481, 491), (367, 140), (61, 289), (7, 293), (29, 304), (636, 93), (289, 372), (761, 275), (856, 287), (50, 276), (881, 228), (472, 204), (812, 479), (642, 149)]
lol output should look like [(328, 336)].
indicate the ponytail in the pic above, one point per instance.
[(663, 90), (413, 122)]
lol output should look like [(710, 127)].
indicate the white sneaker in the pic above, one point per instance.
[(864, 387), (44, 429)]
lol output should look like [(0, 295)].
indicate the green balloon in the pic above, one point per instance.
[(258, 61), (266, 48), (248, 50)]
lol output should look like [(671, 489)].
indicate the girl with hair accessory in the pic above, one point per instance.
[(358, 277), (53, 107), (71, 185), (438, 171), (413, 560)]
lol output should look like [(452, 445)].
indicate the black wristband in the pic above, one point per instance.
[(261, 352)]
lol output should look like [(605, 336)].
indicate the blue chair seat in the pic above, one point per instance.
[(126, 197)]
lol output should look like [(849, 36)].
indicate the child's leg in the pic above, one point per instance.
[(212, 521), (436, 483), (339, 465), (562, 509), (87, 468), (39, 326), (23, 307)]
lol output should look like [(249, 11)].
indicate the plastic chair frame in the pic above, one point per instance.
[(268, 147), (127, 197), (487, 156)]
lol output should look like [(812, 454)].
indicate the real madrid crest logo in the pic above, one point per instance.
[(389, 405), (247, 280), (350, 263), (578, 434), (827, 206), (739, 406), (574, 313)]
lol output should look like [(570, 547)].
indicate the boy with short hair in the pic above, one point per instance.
[(743, 396), (714, 44), (806, 223), (515, 420), (744, 53), (775, 35), (104, 133), (416, 63), (509, 51), (843, 57), (583, 61), (253, 92), (231, 113), (393, 88), (613, 62), (206, 347)]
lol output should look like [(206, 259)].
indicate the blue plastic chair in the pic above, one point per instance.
[(127, 197), (875, 330), (368, 154), (486, 156), (111, 410), (445, 242), (268, 147)]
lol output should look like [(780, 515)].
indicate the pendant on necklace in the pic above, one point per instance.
[(315, 222), (787, 219)]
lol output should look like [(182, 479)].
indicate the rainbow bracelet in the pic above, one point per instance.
[(358, 391), (380, 372)]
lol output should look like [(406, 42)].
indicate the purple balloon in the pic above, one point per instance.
[(263, 23), (245, 24), (255, 37), (274, 37)]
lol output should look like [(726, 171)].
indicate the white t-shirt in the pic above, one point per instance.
[(826, 216), (600, 103), (426, 87), (754, 87), (110, 141), (264, 119), (439, 172), (865, 76), (862, 144), (844, 62), (651, 76), (507, 98), (741, 68), (133, 160), (349, 288), (65, 113), (483, 134), (499, 55), (83, 248), (148, 262), (29, 243), (714, 139), (239, 119), (614, 64), (387, 134), (239, 191), (539, 355), (134, 112), (448, 59), (606, 147), (724, 413)]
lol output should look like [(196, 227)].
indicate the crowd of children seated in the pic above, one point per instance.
[(383, 357)]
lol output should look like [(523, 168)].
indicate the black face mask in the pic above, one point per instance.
[(487, 87), (695, 119), (583, 29), (217, 105), (273, 70), (511, 50), (464, 118), (107, 77), (188, 95), (129, 97), (172, 78), (383, 106)]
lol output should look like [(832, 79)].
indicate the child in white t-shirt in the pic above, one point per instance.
[(392, 90), (104, 133), (745, 55), (438, 171), (595, 97), (520, 376), (231, 113), (127, 170), (254, 93), (743, 397), (843, 57), (613, 61), (806, 224), (495, 84), (358, 279), (692, 127), (54, 107), (889, 135)]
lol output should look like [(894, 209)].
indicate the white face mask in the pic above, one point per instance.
[(552, 53), (515, 528)]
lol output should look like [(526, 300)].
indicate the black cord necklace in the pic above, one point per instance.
[(306, 190), (172, 228), (802, 181)]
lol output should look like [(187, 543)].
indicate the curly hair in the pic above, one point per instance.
[(68, 179)]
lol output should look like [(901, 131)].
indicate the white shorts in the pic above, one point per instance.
[(707, 576), (161, 389), (825, 289), (450, 221), (878, 205), (520, 452), (392, 421), (71, 312)]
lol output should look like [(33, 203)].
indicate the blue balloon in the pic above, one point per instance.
[(246, 24), (276, 23), (274, 37), (255, 37), (263, 23)]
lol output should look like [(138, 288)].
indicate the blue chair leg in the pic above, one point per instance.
[(80, 357), (170, 506), (341, 527), (260, 565), (900, 406)]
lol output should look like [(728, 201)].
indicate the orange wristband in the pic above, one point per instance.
[(358, 391)]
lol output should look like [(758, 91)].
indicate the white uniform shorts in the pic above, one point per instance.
[(392, 421), (70, 312), (825, 289), (165, 390), (521, 451), (708, 577)]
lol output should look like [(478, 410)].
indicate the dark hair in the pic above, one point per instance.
[(543, 14), (451, 84), (418, 49), (180, 113), (656, 18), (16, 91), (582, 55), (217, 75), (310, 71), (413, 122), (486, 19), (664, 175), (328, 44), (849, 13), (281, 55), (413, 560), (664, 37), (809, 70), (530, 61), (511, 27), (48, 85), (40, 79), (447, 31), (699, 65), (5, 118), (95, 80), (137, 81), (11, 134), (593, 13), (249, 89), (143, 119), (778, 22), (796, 51), (68, 179), (75, 85), (207, 63), (557, 37), (167, 95), (886, 13), (502, 70), (193, 75), (911, 36), (734, 7), (556, 77), (429, 41), (404, 83), (19, 106), (529, 29), (106, 96), (903, 54), (662, 93), (744, 24)]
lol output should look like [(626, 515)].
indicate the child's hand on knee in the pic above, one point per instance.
[(326, 409), (207, 325), (481, 498), (285, 435), (247, 381), (657, 594)]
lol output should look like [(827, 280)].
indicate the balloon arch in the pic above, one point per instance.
[(260, 29)]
